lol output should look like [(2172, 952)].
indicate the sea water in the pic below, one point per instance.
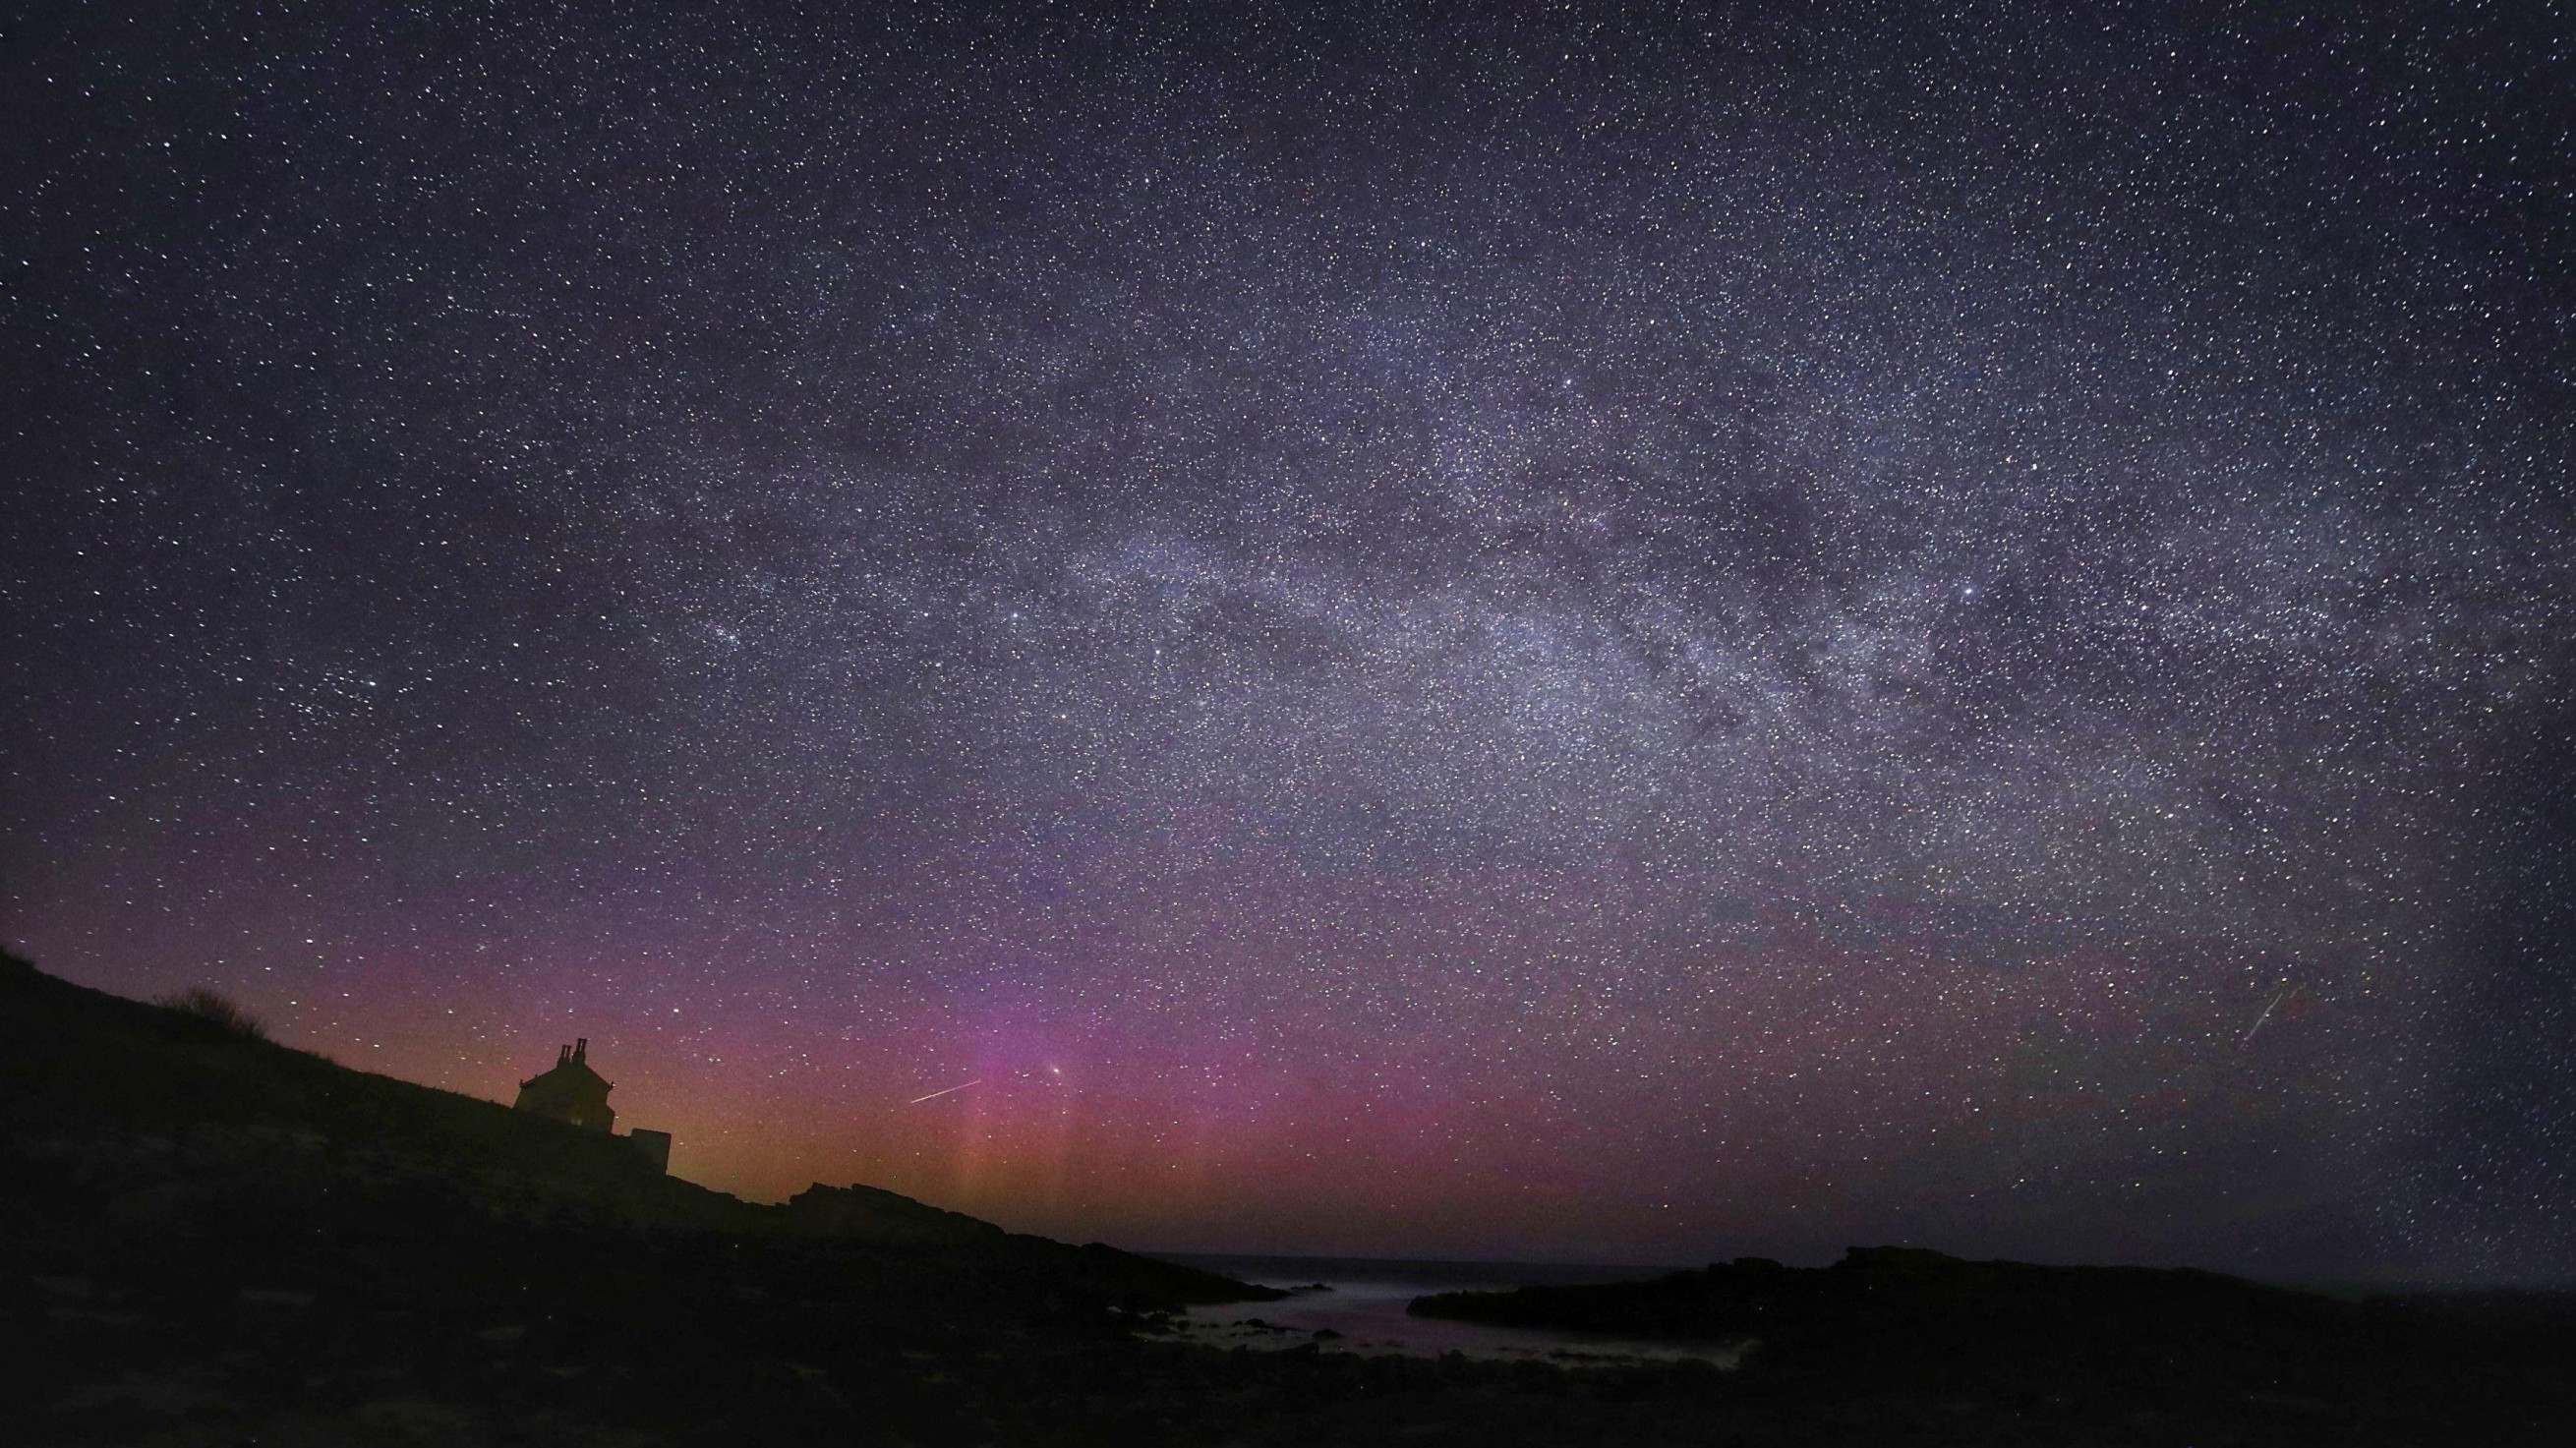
[(1366, 1308)]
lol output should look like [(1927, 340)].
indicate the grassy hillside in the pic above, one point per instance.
[(179, 1125), (200, 1226)]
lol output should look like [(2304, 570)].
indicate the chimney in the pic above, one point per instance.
[(562, 1054), (580, 1048)]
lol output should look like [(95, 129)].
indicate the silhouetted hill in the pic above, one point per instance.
[(158, 1112), (1904, 1290), (171, 1119), (1908, 1319), (164, 1122), (208, 1239)]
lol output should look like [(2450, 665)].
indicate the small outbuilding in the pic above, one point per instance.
[(653, 1146)]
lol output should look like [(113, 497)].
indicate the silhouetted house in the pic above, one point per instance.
[(571, 1093), (574, 1094)]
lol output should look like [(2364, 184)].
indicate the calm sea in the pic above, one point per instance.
[(1364, 1311)]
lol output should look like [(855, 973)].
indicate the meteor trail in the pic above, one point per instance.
[(2286, 992), (944, 1090)]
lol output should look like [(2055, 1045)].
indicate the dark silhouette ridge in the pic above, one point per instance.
[(834, 1211), (204, 1126), (218, 1011), (1912, 1319), (227, 1240)]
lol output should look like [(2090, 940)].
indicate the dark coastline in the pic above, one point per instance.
[(1298, 1267), (1917, 1320), (210, 1240)]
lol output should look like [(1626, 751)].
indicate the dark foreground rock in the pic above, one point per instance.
[(206, 1239), (1902, 1322)]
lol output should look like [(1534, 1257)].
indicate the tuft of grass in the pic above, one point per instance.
[(219, 1011)]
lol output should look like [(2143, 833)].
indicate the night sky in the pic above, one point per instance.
[(1497, 632)]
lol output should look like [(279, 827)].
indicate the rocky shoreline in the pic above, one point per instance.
[(221, 1240)]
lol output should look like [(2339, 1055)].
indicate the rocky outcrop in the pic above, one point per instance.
[(1907, 1316), (872, 1214)]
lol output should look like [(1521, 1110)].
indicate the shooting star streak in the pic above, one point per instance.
[(2286, 992), (944, 1090)]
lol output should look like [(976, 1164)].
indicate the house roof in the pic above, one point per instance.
[(568, 1075)]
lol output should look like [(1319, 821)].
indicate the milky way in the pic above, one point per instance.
[(1582, 634)]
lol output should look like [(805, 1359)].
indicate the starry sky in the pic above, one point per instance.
[(1537, 631)]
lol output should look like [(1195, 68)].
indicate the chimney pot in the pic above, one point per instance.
[(580, 1047)]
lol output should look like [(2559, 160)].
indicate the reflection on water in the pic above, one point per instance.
[(1364, 1313)]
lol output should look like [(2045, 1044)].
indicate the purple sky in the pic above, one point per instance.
[(1568, 635)]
